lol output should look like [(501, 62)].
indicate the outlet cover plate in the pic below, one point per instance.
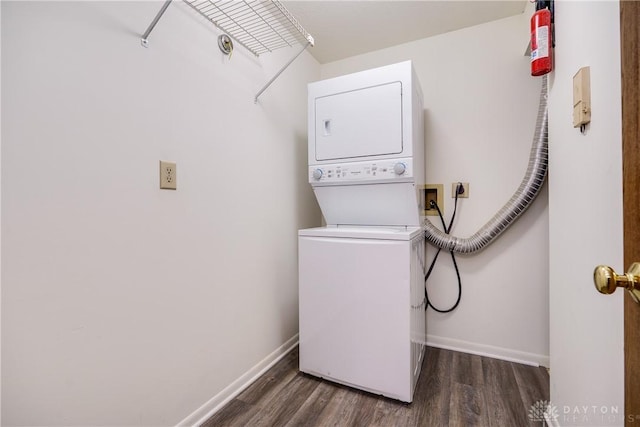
[(464, 195), (168, 175)]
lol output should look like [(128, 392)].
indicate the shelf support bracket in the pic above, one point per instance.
[(145, 36), (304, 47)]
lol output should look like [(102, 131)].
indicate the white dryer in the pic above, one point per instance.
[(362, 313), (366, 147)]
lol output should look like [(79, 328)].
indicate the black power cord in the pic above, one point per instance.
[(447, 230)]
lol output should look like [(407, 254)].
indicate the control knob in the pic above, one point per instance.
[(317, 174), (399, 168)]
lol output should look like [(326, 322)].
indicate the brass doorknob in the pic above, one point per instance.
[(607, 280)]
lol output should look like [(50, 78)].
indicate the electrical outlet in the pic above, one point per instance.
[(464, 194), (168, 176)]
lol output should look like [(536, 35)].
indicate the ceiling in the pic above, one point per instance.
[(346, 28)]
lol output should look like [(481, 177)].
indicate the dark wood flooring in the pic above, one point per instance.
[(454, 389)]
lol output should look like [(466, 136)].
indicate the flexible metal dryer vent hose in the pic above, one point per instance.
[(519, 202)]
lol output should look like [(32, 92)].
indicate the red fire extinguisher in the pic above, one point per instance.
[(541, 42)]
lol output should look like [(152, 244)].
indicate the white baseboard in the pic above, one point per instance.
[(502, 353), (551, 422), (214, 404)]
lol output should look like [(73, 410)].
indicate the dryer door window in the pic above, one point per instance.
[(359, 123)]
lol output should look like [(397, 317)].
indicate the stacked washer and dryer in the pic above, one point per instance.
[(361, 277)]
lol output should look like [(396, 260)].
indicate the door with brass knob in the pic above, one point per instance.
[(607, 280)]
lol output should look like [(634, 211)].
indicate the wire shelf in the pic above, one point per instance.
[(259, 26)]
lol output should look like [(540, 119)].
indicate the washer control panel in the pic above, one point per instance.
[(384, 170)]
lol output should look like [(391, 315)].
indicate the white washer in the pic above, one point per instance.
[(362, 313)]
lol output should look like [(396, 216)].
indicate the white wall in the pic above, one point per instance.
[(0, 228), (481, 105), (585, 216), (123, 304)]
